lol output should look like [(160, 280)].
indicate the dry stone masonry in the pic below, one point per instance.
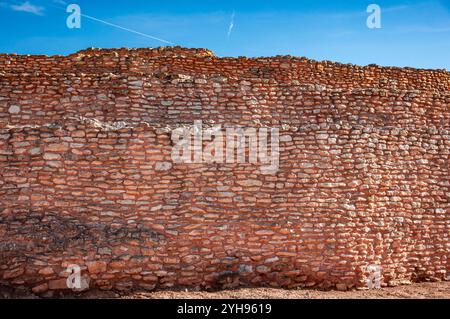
[(87, 177)]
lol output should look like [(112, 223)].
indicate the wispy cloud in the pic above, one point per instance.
[(422, 29), (28, 7), (230, 28)]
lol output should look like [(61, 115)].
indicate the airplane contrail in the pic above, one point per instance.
[(230, 28), (125, 29), (111, 24)]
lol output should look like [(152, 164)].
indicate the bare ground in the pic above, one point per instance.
[(427, 290), (421, 290)]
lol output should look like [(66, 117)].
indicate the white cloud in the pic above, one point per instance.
[(28, 7), (59, 1)]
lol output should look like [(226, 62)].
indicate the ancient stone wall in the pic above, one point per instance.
[(87, 176)]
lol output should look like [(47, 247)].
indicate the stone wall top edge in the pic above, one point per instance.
[(201, 53)]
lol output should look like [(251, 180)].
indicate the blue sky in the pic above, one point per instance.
[(414, 33)]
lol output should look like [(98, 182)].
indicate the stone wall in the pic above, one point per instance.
[(87, 176)]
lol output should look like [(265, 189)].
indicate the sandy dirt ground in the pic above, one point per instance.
[(428, 290), (422, 290)]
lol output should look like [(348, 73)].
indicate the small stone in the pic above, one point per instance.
[(40, 288), (51, 156), (96, 267), (271, 260), (245, 269), (250, 182), (262, 269), (264, 232), (78, 134), (136, 83), (46, 271), (14, 109), (341, 287), (58, 284), (148, 287), (322, 136), (285, 138), (63, 147), (163, 166), (35, 151), (13, 273), (166, 103), (104, 251)]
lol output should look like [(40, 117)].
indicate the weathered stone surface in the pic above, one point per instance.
[(46, 271), (58, 284), (60, 147), (14, 109), (87, 176), (250, 182), (40, 288), (96, 267), (13, 273), (341, 287), (163, 166)]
